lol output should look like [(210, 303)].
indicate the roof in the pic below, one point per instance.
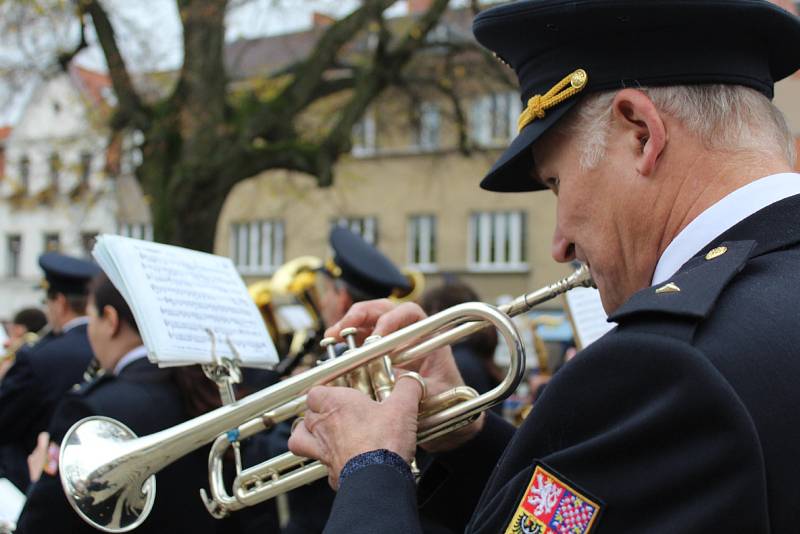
[(246, 58), (92, 84)]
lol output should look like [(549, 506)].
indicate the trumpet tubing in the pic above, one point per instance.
[(108, 474)]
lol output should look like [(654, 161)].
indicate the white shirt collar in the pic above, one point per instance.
[(78, 321), (721, 216), (136, 354)]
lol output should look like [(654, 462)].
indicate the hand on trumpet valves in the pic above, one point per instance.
[(335, 432), (439, 370), (341, 423)]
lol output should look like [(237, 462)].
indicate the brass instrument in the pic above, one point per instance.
[(28, 339), (416, 282), (108, 474), (293, 283)]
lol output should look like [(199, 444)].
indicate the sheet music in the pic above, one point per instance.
[(589, 320), (177, 295), (11, 502), (294, 317)]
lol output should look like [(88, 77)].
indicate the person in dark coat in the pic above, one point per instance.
[(44, 372), (357, 272), (143, 397), (474, 355), (652, 123)]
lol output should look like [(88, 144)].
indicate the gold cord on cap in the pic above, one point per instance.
[(333, 269), (571, 85)]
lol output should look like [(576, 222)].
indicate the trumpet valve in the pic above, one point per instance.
[(349, 335), (329, 344)]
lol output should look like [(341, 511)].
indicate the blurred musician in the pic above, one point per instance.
[(358, 271), (144, 397), (42, 373), (474, 355)]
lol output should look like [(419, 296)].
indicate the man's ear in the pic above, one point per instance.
[(643, 126), (111, 317)]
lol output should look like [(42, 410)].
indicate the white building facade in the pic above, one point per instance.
[(57, 192)]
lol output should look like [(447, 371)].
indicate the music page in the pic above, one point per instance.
[(184, 300), (589, 320)]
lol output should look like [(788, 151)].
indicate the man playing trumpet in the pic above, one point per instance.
[(652, 123)]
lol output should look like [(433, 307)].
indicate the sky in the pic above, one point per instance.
[(149, 34)]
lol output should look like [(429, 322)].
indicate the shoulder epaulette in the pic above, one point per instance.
[(692, 292)]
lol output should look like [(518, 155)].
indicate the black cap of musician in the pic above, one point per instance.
[(65, 274), (362, 266), (563, 50)]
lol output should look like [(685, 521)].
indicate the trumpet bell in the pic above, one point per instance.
[(90, 452)]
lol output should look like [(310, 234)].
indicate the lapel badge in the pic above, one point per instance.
[(668, 288), (551, 506), (716, 252)]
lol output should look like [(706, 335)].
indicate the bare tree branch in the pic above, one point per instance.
[(65, 58), (309, 73), (131, 111)]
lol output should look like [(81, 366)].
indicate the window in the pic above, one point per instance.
[(429, 127), (257, 246), (55, 166), (366, 227), (86, 168), (24, 172), (422, 242), (364, 136), (494, 118), (88, 240), (136, 230), (52, 242), (497, 241), (13, 253)]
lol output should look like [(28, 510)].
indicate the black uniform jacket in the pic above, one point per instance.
[(686, 418), (40, 376), (146, 399)]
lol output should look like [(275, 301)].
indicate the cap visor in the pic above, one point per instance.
[(511, 173)]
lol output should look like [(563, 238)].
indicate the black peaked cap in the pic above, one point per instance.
[(67, 275), (363, 266), (630, 43)]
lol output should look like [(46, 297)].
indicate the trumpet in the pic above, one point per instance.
[(28, 339), (108, 474)]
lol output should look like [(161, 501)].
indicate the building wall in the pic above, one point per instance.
[(392, 189), (57, 120)]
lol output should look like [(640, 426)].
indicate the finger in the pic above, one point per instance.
[(406, 395), (316, 399), (362, 315), (43, 440), (402, 316), (321, 399), (303, 443)]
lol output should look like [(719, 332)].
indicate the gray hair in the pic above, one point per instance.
[(725, 117)]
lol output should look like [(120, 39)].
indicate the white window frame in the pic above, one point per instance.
[(142, 231), (494, 118), (365, 134), (421, 237), (496, 241), (365, 226), (430, 127), (256, 247), (13, 257)]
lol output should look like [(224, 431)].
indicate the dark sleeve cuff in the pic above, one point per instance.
[(376, 457)]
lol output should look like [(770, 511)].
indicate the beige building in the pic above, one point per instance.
[(408, 189)]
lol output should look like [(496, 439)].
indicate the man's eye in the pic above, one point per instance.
[(553, 184)]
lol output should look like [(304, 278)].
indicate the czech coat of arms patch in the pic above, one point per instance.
[(551, 506)]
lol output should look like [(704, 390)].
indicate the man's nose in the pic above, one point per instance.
[(563, 250)]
